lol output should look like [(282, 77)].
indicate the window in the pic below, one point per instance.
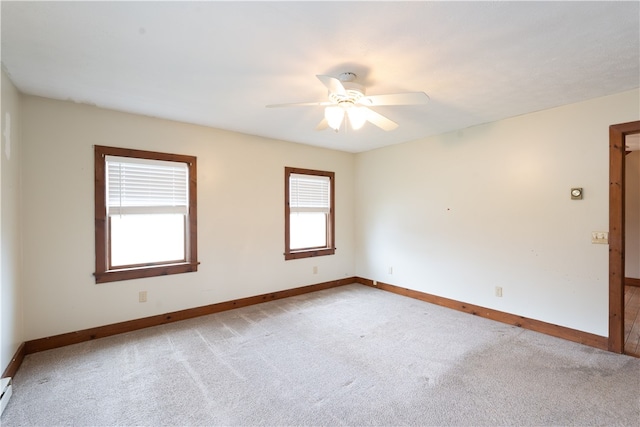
[(145, 214), (308, 213)]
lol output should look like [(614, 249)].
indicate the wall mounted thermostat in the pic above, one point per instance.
[(576, 194)]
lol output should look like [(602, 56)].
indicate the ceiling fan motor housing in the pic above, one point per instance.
[(354, 91)]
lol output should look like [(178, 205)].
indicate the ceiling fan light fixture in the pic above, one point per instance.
[(334, 115), (347, 97), (357, 117)]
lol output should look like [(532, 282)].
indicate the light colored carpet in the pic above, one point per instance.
[(346, 356)]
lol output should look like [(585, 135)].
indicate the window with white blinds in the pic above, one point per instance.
[(309, 193), (309, 213), (145, 213), (143, 186)]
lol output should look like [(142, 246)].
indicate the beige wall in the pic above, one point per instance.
[(11, 312), (632, 215), (453, 215), (240, 217), (458, 214)]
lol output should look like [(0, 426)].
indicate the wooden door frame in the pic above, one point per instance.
[(617, 135)]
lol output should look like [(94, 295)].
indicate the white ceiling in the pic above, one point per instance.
[(219, 63)]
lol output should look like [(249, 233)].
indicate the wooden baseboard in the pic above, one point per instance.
[(15, 363), (62, 340), (511, 319), (630, 281)]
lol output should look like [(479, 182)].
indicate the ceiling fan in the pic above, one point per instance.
[(347, 99)]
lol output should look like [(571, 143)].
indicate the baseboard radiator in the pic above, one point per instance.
[(5, 389)]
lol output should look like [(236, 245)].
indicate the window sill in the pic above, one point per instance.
[(309, 253), (141, 272)]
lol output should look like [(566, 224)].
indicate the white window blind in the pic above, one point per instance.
[(141, 186), (309, 193)]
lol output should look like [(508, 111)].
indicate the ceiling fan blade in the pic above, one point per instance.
[(301, 104), (334, 85), (379, 120), (324, 123), (408, 98)]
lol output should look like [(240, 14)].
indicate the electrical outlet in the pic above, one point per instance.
[(315, 269), (375, 283), (499, 291), (142, 296), (390, 270), (601, 237)]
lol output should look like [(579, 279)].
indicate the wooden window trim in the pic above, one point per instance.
[(102, 272), (311, 252)]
